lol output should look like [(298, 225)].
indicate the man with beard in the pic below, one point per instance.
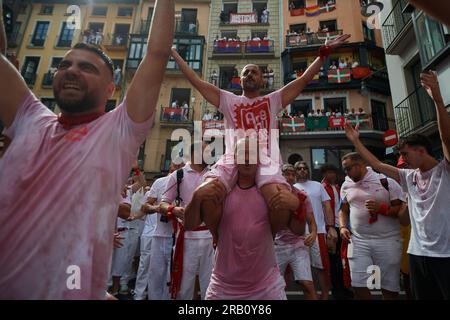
[(253, 114), (58, 213)]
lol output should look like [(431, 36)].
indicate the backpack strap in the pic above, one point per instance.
[(180, 174)]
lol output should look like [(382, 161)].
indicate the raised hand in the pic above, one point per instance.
[(430, 83), (351, 133), (339, 41)]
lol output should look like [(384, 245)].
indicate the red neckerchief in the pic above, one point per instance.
[(68, 122), (329, 189)]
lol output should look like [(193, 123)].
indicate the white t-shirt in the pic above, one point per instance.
[(162, 229), (428, 204), (370, 188), (317, 195)]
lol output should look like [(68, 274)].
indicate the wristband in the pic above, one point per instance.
[(384, 209), (136, 171), (324, 52), (169, 212)]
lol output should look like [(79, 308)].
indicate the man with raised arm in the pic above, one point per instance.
[(427, 183), (61, 176), (252, 112)]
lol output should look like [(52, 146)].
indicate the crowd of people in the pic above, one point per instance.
[(233, 227)]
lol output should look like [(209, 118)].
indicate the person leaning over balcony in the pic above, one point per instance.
[(427, 183)]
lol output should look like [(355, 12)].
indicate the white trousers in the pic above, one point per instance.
[(159, 268), (143, 271)]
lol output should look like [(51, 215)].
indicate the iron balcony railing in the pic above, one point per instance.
[(395, 22), (415, 112)]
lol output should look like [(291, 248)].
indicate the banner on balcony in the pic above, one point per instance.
[(339, 76), (243, 18), (297, 40), (361, 72), (236, 83), (323, 36), (228, 46), (292, 125), (312, 11), (258, 46), (336, 122), (297, 12), (328, 8)]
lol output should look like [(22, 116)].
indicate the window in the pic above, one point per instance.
[(167, 158), (181, 96), (379, 116), (65, 37), (430, 37), (99, 11), (297, 4), (110, 105), (121, 32), (229, 34), (225, 76), (259, 7), (118, 63), (188, 22), (369, 34), (259, 34), (330, 155), (299, 28), (329, 26), (191, 50), (145, 24), (40, 33), (46, 10), (333, 104), (29, 69), (228, 8), (300, 65), (49, 103), (125, 12), (299, 107), (323, 3)]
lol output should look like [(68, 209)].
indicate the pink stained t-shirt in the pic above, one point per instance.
[(244, 113), (245, 266), (59, 197)]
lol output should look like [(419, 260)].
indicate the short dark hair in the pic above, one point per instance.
[(99, 52), (416, 140), (353, 156), (328, 167)]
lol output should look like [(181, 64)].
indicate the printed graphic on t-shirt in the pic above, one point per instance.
[(253, 116)]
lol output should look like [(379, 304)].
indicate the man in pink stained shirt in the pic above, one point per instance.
[(58, 214), (245, 266), (254, 113)]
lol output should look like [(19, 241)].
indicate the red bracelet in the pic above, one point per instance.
[(169, 212), (384, 209), (324, 52), (136, 171)]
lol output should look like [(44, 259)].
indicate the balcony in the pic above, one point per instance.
[(311, 39), (176, 116), (30, 79), (241, 49), (348, 78), (397, 28), (186, 28), (416, 113), (36, 42), (14, 40), (331, 125), (116, 42), (47, 80), (192, 54)]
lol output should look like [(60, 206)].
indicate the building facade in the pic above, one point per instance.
[(415, 42), (353, 80), (179, 104)]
